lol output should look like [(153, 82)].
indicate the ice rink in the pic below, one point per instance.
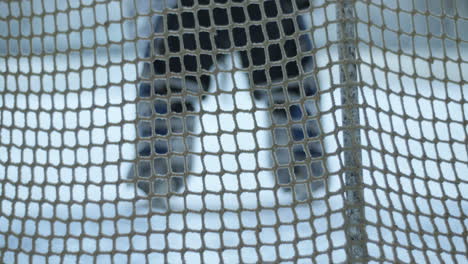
[(91, 206), (61, 122)]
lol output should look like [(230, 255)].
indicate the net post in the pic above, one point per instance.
[(354, 225)]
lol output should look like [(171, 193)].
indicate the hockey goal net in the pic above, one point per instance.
[(190, 131)]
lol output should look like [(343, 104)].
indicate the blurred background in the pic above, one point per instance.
[(68, 93)]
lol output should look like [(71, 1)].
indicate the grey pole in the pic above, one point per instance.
[(355, 220)]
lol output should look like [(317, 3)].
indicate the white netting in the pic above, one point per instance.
[(233, 131)]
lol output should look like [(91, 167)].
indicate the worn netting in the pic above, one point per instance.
[(233, 131)]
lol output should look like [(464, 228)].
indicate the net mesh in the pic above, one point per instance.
[(154, 131)]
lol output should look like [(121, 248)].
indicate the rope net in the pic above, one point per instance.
[(205, 131)]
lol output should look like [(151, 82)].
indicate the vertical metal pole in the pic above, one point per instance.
[(355, 228)]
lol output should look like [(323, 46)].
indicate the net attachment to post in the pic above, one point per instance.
[(206, 131), (349, 70)]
